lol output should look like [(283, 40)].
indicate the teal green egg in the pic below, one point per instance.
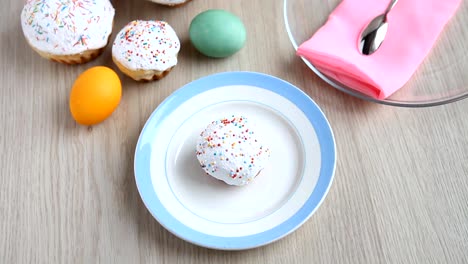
[(217, 33)]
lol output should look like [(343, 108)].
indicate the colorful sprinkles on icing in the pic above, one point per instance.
[(67, 26), (147, 45), (228, 150)]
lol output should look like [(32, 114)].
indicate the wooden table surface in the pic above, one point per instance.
[(68, 194)]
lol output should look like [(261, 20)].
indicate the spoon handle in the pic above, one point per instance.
[(390, 6)]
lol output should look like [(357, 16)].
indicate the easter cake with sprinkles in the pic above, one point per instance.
[(171, 3), (68, 31), (229, 150), (146, 50)]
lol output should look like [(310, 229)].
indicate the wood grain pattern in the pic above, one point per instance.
[(68, 195)]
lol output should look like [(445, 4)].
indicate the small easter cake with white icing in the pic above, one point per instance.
[(68, 31), (171, 3), (229, 150), (146, 50)]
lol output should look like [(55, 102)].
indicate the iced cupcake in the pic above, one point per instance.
[(229, 151), (171, 3), (146, 50), (68, 31)]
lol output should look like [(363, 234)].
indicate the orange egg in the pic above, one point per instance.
[(95, 95)]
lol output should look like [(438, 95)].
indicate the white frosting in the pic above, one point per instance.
[(67, 27), (169, 2), (228, 150), (147, 45)]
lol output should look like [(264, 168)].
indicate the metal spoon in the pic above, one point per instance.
[(374, 34)]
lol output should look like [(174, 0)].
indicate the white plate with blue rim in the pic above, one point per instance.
[(207, 212)]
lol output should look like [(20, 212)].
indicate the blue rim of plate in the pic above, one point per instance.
[(295, 95)]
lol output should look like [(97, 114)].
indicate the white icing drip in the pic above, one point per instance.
[(67, 27), (147, 45), (229, 151)]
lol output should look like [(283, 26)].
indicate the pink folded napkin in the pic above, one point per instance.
[(414, 26)]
